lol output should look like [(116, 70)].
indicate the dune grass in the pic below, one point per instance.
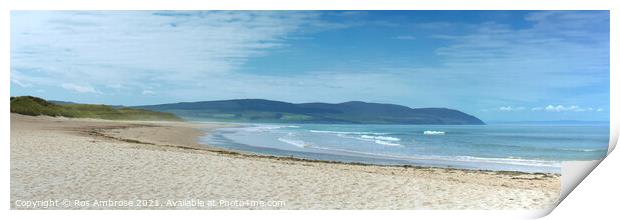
[(29, 105)]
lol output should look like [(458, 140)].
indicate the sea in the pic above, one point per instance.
[(500, 147)]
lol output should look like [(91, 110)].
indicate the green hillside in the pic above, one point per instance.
[(29, 105)]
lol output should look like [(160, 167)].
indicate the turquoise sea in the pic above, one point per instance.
[(527, 148)]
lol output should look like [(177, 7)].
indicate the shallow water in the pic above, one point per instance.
[(528, 148)]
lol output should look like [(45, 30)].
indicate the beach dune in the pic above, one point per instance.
[(161, 165)]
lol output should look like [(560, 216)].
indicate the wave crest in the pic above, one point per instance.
[(434, 132), (296, 143), (383, 138)]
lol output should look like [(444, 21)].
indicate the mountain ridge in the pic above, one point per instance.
[(351, 112)]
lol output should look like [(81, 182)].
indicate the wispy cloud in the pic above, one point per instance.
[(505, 109), (555, 57), (548, 108), (509, 108), (79, 88), (535, 64), (142, 47), (19, 83), (405, 37), (572, 108)]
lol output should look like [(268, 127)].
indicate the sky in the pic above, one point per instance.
[(496, 65)]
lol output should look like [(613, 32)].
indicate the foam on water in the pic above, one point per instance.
[(296, 143), (266, 128), (434, 132), (383, 138), (347, 132), (387, 143)]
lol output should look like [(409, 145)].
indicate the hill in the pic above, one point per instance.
[(29, 105), (355, 112)]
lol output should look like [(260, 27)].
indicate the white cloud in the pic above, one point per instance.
[(19, 83), (510, 108), (572, 108), (405, 37), (560, 108), (136, 48), (148, 92), (505, 108), (548, 108), (527, 64), (79, 88)]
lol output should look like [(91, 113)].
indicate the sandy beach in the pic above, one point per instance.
[(161, 165)]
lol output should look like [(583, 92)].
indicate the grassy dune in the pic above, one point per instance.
[(29, 105)]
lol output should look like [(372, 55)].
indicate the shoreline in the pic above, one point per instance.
[(177, 137), (225, 151)]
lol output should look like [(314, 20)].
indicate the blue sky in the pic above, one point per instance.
[(497, 65)]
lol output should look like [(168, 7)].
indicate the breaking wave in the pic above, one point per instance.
[(434, 132)]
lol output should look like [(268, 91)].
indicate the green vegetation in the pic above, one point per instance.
[(29, 105)]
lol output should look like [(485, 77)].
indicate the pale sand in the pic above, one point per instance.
[(81, 159)]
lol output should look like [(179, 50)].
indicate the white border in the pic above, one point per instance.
[(7, 5)]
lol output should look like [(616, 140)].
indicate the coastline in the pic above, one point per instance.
[(150, 134), (171, 151)]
